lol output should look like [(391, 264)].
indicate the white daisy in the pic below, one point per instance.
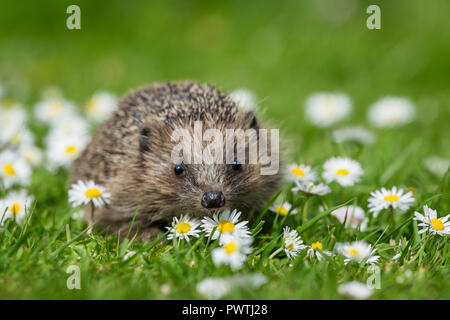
[(292, 243), (15, 206), (225, 222), (324, 109), (14, 169), (101, 106), (21, 139), (53, 110), (283, 208), (83, 193), (437, 165), (355, 290), (431, 223), (251, 280), (310, 188), (300, 172), (214, 288), (12, 121), (394, 198), (69, 126), (183, 228), (32, 154), (245, 99), (359, 251), (391, 112), (352, 215), (63, 150), (233, 251), (313, 251), (353, 134), (344, 171)]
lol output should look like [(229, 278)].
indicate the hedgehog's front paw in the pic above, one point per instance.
[(149, 233)]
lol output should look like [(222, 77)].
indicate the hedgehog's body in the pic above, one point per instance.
[(130, 155)]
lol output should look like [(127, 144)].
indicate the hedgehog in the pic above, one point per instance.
[(130, 155)]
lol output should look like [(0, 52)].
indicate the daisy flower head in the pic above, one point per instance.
[(73, 126), (184, 228), (313, 251), (83, 193), (24, 137), (353, 134), (324, 109), (53, 109), (300, 172), (101, 106), (226, 222), (13, 118), (15, 206), (245, 99), (292, 243), (32, 154), (437, 165), (352, 215), (14, 169), (283, 208), (355, 290), (214, 288), (358, 251), (63, 150), (394, 198), (344, 171), (311, 188), (391, 112), (233, 251), (431, 223)]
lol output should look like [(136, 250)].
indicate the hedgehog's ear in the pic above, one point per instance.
[(252, 121), (145, 139)]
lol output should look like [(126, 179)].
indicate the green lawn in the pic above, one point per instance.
[(281, 50)]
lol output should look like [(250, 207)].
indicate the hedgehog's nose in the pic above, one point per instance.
[(213, 199)]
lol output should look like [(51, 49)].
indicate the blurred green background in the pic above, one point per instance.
[(281, 50)]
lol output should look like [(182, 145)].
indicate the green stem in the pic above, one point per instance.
[(275, 253), (392, 218), (422, 248), (305, 210)]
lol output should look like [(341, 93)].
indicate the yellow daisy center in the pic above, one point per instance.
[(317, 245), (353, 252), (91, 105), (93, 193), (391, 198), (230, 248), (342, 172), (9, 169), (15, 208), (55, 108), (290, 246), (183, 227), (298, 172), (225, 226), (281, 210), (437, 224), (71, 149), (15, 139)]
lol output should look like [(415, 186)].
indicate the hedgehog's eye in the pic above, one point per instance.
[(178, 169), (236, 166)]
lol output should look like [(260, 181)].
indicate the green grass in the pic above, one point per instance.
[(283, 51)]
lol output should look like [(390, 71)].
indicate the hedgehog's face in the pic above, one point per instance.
[(202, 188)]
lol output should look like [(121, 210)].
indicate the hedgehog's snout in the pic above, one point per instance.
[(213, 199)]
